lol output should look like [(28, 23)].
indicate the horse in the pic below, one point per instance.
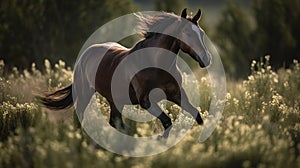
[(143, 82)]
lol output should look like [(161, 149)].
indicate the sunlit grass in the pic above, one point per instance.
[(260, 126)]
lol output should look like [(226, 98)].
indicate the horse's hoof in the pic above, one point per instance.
[(199, 120), (161, 138), (164, 136), (127, 130)]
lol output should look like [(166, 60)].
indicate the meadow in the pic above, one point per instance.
[(260, 126)]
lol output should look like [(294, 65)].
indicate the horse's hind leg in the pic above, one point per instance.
[(82, 95), (181, 99), (116, 120)]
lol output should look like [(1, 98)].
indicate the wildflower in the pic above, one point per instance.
[(286, 84), (1, 63), (78, 135), (228, 96), (253, 65), (61, 63), (235, 101), (251, 78), (266, 118), (236, 124), (247, 95), (259, 126), (33, 67), (283, 108), (70, 135)]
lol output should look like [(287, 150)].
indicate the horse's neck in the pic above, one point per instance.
[(160, 41)]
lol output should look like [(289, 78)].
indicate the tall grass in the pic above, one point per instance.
[(260, 125)]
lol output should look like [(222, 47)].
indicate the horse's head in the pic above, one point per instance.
[(194, 36), (185, 32)]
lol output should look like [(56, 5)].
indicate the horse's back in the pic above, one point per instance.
[(88, 63), (95, 53)]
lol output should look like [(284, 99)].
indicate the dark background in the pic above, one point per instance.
[(35, 30)]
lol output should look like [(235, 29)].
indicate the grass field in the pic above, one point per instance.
[(260, 126)]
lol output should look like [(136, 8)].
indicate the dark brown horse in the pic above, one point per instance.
[(95, 69)]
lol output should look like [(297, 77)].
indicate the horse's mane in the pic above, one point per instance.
[(149, 25)]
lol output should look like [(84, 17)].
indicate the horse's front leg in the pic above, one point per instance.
[(181, 99), (155, 110)]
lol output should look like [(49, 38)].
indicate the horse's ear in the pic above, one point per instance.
[(183, 13), (197, 16)]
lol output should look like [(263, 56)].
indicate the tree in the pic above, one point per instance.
[(277, 31), (32, 30), (272, 29), (234, 38), (169, 5)]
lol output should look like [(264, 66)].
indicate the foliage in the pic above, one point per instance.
[(31, 30), (270, 27), (234, 39), (175, 6), (278, 23), (260, 125)]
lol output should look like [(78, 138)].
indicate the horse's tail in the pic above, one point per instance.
[(59, 99)]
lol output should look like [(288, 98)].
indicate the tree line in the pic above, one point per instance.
[(32, 30)]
